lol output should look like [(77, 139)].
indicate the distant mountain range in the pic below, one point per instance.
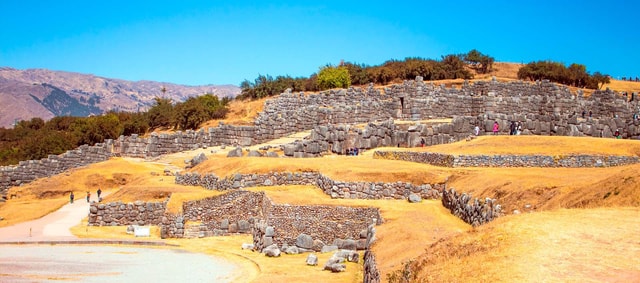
[(25, 94)]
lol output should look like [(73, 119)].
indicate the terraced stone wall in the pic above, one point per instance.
[(448, 160), (333, 188), (233, 212), (476, 212), (324, 223), (542, 107), (120, 214), (27, 171)]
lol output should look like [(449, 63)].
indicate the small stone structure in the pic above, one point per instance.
[(449, 160)]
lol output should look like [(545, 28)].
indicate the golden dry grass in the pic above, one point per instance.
[(241, 112), (337, 167), (565, 245), (535, 145)]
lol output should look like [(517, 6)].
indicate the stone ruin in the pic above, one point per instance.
[(333, 188), (544, 108)]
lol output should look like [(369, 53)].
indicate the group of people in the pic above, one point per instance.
[(584, 114), (515, 128), (98, 192), (353, 151)]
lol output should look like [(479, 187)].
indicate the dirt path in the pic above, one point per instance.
[(54, 226)]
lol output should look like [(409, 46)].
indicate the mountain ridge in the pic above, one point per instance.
[(43, 93)]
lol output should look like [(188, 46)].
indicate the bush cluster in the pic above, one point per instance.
[(36, 139), (574, 75)]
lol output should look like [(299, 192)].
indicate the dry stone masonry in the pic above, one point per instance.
[(449, 160), (543, 108), (476, 213), (122, 214), (333, 188)]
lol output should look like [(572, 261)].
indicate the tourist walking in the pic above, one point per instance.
[(496, 127), (99, 192), (71, 196), (88, 196), (476, 130)]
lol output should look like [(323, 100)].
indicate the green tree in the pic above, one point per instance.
[(161, 113), (190, 114), (453, 67), (333, 77), (480, 62), (598, 80)]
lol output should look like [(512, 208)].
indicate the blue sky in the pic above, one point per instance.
[(225, 42)]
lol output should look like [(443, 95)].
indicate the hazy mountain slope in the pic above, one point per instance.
[(25, 94)]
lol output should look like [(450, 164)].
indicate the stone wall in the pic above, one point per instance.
[(476, 213), (333, 188), (542, 107), (449, 160), (324, 223), (437, 159), (371, 272), (119, 214), (27, 171), (234, 212)]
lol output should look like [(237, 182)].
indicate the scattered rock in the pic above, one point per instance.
[(235, 153), (413, 198), (254, 153), (335, 264), (246, 246), (304, 241), (272, 251), (328, 249), (292, 250), (312, 259)]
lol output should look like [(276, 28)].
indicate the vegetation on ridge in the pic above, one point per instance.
[(36, 139)]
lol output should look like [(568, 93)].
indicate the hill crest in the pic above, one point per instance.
[(30, 93)]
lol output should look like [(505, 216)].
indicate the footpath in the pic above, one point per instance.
[(52, 227)]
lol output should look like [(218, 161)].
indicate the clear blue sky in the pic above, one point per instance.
[(225, 42)]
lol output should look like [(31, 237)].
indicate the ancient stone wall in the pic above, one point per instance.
[(27, 171), (234, 212), (475, 213), (437, 159), (449, 160), (371, 272), (324, 223), (119, 214), (543, 108), (333, 188)]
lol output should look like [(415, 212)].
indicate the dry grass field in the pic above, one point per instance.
[(575, 225)]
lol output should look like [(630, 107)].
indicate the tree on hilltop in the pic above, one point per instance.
[(480, 62), (333, 77)]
